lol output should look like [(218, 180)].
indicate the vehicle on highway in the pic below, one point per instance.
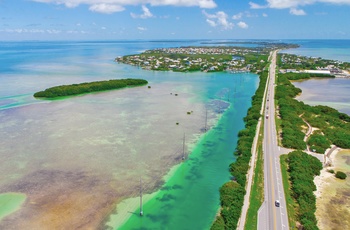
[(267, 116), (277, 203)]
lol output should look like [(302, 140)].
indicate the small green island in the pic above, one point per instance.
[(88, 87)]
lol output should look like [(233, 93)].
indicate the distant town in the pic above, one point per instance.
[(205, 59), (230, 59), (315, 65)]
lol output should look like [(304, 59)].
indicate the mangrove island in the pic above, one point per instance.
[(88, 87)]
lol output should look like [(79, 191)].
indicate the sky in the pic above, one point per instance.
[(173, 19)]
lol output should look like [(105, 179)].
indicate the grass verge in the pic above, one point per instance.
[(291, 203), (257, 191)]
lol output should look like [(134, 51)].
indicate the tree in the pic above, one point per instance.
[(340, 175)]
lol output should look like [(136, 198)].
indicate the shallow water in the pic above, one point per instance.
[(331, 92), (190, 198), (10, 202), (95, 147), (75, 159)]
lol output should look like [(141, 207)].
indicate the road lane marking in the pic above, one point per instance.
[(271, 178)]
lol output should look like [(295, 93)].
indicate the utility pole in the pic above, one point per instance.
[(183, 148), (141, 212)]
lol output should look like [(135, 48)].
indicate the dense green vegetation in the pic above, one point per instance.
[(232, 201), (304, 76), (292, 61), (302, 170), (340, 175), (256, 61), (334, 126), (318, 142), (289, 110), (88, 87)]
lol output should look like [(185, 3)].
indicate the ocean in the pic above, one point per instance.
[(326, 49), (78, 161)]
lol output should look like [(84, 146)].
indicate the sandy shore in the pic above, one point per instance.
[(332, 195), (323, 179)]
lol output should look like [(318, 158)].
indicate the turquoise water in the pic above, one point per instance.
[(90, 151), (190, 198), (10, 202)]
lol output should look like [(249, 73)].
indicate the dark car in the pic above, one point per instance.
[(277, 203)]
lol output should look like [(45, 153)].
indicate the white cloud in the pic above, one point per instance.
[(293, 5), (76, 32), (237, 16), (218, 19), (103, 28), (243, 25), (146, 13), (32, 31), (53, 31), (111, 6), (256, 6), (264, 15), (141, 28), (297, 12), (246, 14), (211, 22), (283, 4), (72, 32), (106, 8), (250, 15)]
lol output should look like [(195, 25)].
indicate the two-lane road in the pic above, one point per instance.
[(272, 216)]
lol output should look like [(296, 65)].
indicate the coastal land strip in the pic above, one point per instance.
[(312, 129)]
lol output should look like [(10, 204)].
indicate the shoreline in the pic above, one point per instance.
[(321, 181), (332, 193)]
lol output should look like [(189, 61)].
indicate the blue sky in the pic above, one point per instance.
[(173, 19)]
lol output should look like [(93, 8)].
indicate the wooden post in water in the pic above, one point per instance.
[(141, 212)]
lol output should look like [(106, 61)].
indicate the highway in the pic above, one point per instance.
[(271, 217)]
